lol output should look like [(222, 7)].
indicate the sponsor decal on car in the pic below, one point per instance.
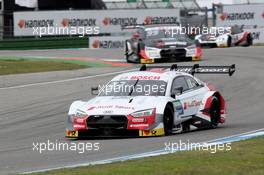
[(192, 104), (110, 107), (178, 106)]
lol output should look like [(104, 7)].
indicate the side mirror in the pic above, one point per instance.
[(94, 90), (176, 91)]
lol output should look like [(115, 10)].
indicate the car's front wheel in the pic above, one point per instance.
[(168, 120)]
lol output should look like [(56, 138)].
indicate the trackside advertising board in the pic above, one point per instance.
[(107, 42), (258, 35), (251, 16), (241, 14), (108, 21)]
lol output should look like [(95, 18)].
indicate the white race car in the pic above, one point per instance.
[(155, 101), (235, 37)]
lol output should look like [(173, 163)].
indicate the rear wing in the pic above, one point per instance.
[(196, 68)]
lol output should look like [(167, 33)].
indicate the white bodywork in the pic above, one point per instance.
[(239, 39), (189, 103)]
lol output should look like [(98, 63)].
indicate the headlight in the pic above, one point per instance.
[(80, 114), (191, 47), (135, 44), (150, 49), (152, 52), (221, 38), (148, 112)]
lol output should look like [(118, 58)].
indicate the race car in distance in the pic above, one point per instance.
[(234, 36), (154, 101), (152, 43)]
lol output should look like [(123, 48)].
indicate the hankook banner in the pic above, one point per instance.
[(241, 14), (257, 34), (72, 22), (107, 42)]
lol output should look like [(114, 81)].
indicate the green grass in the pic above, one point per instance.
[(43, 43), (17, 66), (245, 158)]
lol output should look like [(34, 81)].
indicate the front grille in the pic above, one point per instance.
[(107, 121), (173, 53)]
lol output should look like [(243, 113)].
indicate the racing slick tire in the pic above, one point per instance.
[(229, 41), (130, 57), (168, 120), (249, 40), (215, 112), (186, 127), (190, 59)]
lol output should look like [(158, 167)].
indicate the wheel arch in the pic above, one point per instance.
[(204, 111), (162, 105), (222, 103), (74, 106)]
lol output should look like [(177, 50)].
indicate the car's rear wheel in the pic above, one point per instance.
[(215, 112), (168, 120), (186, 127), (249, 40), (229, 42)]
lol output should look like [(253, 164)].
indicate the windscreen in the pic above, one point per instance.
[(165, 32)]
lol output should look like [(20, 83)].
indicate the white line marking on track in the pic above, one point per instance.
[(66, 80), (235, 135), (115, 60)]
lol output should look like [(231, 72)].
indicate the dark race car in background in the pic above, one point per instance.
[(152, 43), (234, 36)]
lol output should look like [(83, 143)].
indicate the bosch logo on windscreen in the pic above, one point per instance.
[(145, 78), (237, 16)]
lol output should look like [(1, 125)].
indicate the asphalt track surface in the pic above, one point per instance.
[(37, 112)]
